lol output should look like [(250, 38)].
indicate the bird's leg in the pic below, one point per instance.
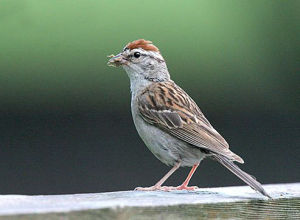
[(158, 186), (184, 185)]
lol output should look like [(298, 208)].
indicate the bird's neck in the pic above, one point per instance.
[(138, 84), (140, 79)]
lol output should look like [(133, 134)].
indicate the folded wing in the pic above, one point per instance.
[(168, 107)]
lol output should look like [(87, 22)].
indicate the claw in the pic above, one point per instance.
[(188, 188)]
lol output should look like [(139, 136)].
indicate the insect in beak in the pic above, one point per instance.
[(116, 60)]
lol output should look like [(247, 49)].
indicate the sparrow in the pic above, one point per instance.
[(169, 121)]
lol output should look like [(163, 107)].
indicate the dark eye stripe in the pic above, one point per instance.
[(147, 55), (141, 54)]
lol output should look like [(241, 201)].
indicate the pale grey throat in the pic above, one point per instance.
[(152, 68)]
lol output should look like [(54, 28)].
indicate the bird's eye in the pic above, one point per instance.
[(137, 54)]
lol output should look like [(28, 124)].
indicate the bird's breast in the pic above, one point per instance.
[(165, 147)]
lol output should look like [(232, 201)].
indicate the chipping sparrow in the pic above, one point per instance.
[(169, 121)]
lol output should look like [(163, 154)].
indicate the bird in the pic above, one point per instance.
[(169, 121)]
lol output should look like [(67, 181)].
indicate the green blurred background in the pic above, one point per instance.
[(65, 115)]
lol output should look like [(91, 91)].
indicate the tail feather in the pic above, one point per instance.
[(241, 174)]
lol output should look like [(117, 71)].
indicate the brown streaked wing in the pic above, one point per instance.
[(167, 106)]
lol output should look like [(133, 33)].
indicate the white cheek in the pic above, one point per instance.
[(151, 64)]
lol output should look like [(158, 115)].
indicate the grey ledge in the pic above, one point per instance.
[(119, 202)]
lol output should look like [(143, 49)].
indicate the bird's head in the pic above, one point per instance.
[(141, 60)]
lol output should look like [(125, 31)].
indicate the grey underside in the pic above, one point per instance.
[(167, 148)]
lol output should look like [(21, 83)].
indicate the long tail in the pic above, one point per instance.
[(241, 174)]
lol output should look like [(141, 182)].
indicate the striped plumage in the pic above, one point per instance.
[(167, 106)]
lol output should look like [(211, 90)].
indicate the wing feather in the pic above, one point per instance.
[(168, 107)]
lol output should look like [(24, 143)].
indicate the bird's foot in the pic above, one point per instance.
[(181, 187), (167, 188), (188, 188), (151, 188)]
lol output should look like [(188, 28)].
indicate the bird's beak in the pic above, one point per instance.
[(117, 60)]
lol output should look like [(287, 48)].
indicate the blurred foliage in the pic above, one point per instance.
[(236, 54)]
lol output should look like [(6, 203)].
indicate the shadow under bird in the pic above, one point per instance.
[(168, 120)]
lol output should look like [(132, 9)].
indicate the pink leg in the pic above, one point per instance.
[(184, 185), (158, 186)]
